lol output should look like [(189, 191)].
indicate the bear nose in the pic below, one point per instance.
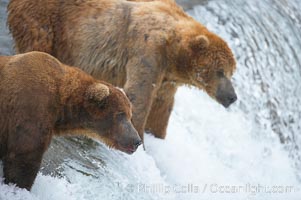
[(232, 99), (137, 143)]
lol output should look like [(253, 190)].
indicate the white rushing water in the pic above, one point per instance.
[(210, 152)]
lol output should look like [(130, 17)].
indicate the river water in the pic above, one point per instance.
[(266, 38), (253, 148)]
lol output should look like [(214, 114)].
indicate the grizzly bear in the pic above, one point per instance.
[(40, 98), (147, 47)]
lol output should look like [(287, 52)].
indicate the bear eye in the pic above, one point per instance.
[(220, 73), (120, 115)]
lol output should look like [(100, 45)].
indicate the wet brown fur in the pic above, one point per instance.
[(40, 98), (148, 47)]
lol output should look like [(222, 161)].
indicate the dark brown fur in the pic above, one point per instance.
[(149, 48), (40, 98)]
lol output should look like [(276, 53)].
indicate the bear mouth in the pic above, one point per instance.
[(129, 150)]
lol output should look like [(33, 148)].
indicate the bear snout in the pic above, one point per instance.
[(130, 140), (131, 147), (225, 93), (228, 100)]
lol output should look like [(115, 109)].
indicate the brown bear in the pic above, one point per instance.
[(147, 47), (40, 98)]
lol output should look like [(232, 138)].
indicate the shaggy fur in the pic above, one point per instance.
[(147, 47), (40, 98)]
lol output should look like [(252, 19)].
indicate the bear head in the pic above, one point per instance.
[(206, 61), (108, 114)]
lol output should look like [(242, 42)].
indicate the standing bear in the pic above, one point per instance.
[(40, 98), (149, 48)]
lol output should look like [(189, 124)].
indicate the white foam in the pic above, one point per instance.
[(207, 147)]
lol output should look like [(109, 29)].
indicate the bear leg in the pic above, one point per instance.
[(22, 169), (141, 86), (25, 149), (162, 106)]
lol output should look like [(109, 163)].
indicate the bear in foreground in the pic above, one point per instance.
[(147, 47), (40, 98)]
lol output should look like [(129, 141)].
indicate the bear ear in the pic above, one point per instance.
[(199, 43), (97, 92)]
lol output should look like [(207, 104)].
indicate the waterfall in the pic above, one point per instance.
[(250, 151)]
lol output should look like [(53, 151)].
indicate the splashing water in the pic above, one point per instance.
[(209, 152), (265, 36)]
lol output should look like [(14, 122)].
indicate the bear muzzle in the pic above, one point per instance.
[(225, 93), (131, 148), (130, 140)]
